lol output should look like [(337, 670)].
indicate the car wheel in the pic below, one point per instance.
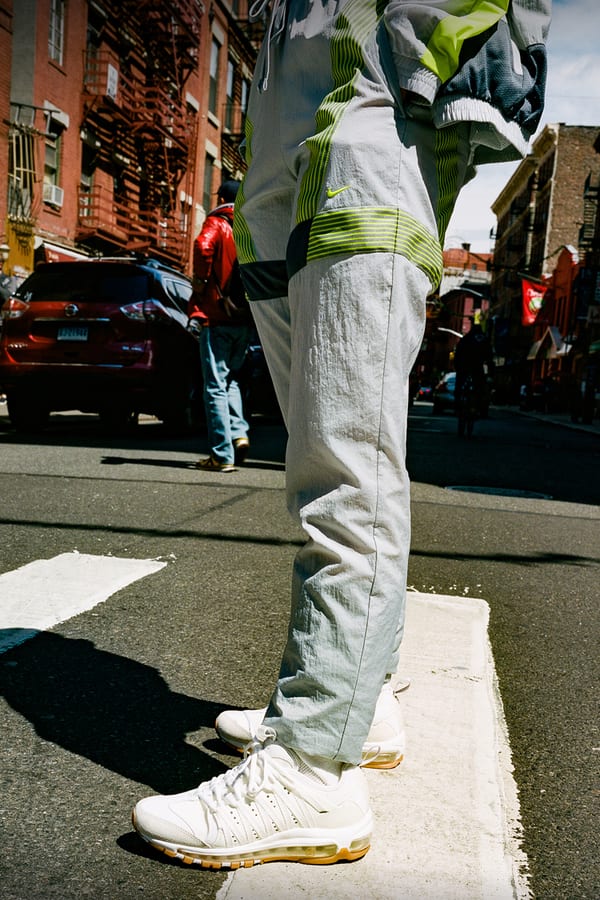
[(118, 418), (26, 411), (183, 410)]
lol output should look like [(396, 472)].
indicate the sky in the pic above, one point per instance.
[(572, 97)]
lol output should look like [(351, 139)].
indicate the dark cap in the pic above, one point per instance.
[(228, 190)]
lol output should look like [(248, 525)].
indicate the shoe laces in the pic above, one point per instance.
[(246, 780)]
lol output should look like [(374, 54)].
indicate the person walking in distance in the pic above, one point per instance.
[(474, 364), (221, 318), (365, 120)]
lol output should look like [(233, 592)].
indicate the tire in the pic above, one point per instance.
[(118, 418), (27, 412), (183, 410)]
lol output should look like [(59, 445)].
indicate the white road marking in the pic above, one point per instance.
[(447, 820), (46, 592)]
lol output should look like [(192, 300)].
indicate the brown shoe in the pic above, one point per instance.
[(241, 446), (211, 464)]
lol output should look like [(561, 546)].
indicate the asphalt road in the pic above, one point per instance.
[(119, 701)]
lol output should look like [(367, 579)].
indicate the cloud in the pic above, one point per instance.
[(572, 97)]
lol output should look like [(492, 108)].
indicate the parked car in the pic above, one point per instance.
[(443, 393), (107, 336)]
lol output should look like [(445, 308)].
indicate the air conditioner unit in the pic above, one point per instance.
[(53, 194)]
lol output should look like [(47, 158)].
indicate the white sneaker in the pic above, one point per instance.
[(383, 749), (275, 805)]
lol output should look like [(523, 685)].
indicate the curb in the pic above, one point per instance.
[(447, 819)]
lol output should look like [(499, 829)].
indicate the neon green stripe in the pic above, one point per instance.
[(373, 229), (353, 26), (246, 250), (445, 45), (446, 158)]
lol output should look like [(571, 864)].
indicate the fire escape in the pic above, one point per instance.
[(588, 232), (244, 39), (138, 133)]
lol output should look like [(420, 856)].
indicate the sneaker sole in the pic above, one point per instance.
[(384, 758), (382, 761), (320, 850)]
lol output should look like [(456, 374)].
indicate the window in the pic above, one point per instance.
[(185, 214), (21, 169), (213, 85), (52, 146), (56, 31), (245, 92), (207, 195), (229, 109), (88, 166), (52, 193)]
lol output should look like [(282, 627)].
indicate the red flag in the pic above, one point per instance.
[(533, 300)]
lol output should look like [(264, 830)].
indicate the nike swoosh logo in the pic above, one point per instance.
[(333, 193)]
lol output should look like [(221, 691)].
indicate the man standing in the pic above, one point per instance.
[(473, 357), (365, 120), (223, 324)]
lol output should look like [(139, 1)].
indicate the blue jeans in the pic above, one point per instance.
[(222, 352)]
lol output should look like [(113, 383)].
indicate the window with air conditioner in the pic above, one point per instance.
[(57, 122), (53, 195), (52, 192)]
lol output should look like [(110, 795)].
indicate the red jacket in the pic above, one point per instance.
[(214, 255)]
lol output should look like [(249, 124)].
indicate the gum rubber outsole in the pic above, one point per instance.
[(292, 854), (390, 764)]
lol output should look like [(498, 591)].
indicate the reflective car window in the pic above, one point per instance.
[(89, 282), (179, 291)]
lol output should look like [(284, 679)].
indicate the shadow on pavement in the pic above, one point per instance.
[(114, 711)]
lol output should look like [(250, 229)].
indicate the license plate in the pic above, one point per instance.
[(72, 333)]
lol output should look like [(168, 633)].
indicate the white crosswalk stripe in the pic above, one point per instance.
[(46, 592)]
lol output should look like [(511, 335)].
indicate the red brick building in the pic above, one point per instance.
[(5, 55), (124, 118), (541, 210), (463, 298)]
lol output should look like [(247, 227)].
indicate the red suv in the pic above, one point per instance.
[(107, 336)]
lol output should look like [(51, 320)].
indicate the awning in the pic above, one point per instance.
[(56, 253), (551, 346)]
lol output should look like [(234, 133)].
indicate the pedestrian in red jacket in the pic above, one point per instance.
[(224, 333)]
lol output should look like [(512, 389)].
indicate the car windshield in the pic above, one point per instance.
[(92, 282)]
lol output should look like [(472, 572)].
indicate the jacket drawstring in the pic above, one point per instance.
[(275, 27)]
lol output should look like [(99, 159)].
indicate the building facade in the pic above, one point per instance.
[(541, 210), (463, 298), (124, 118), (6, 55)]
